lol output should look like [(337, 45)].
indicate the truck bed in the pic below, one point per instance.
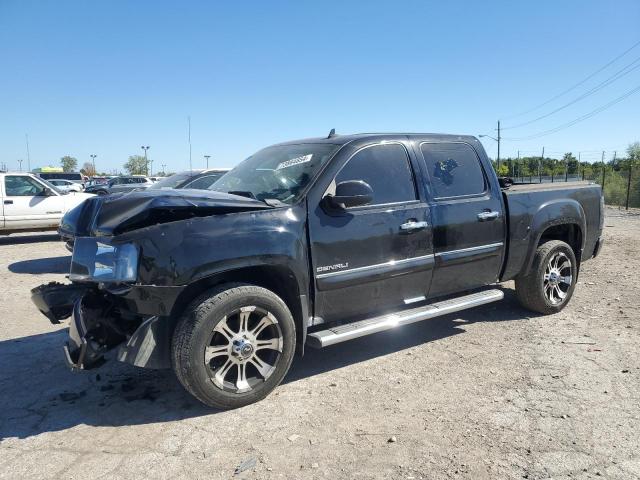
[(533, 207)]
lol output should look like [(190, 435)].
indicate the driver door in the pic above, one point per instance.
[(377, 257), (28, 204)]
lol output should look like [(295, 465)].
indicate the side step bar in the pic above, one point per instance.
[(349, 331)]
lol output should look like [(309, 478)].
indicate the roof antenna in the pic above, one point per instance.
[(332, 133)]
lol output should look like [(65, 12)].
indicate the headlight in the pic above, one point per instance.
[(97, 260)]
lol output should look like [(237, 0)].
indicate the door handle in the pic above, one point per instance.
[(484, 216), (8, 202), (412, 225)]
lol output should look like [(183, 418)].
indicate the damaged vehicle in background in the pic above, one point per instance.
[(312, 242)]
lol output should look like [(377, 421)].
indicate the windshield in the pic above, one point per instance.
[(276, 173), (173, 181)]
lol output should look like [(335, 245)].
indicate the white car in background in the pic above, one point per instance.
[(30, 203), (66, 185)]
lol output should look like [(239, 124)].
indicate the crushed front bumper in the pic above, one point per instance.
[(101, 321), (80, 352), (55, 300)]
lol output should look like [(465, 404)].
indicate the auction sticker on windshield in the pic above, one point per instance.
[(295, 161)]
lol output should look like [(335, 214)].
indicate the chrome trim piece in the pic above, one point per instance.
[(408, 301), (471, 249), (342, 333), (390, 263)]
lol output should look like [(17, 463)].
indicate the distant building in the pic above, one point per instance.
[(47, 170)]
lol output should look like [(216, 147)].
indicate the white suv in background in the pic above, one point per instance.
[(30, 203)]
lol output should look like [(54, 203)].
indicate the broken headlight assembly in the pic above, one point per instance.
[(97, 260)]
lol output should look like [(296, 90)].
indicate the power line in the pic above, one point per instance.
[(616, 76), (582, 82), (579, 119)]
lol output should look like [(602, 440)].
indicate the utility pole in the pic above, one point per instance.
[(628, 186), (207, 157), (518, 165), (580, 164), (164, 172), (540, 165), (499, 146), (26, 136), (190, 163), (146, 161), (566, 170), (20, 163), (603, 170), (93, 160)]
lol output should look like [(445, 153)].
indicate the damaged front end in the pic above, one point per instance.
[(126, 271), (101, 321)]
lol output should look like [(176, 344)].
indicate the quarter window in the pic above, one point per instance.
[(386, 169), (454, 169)]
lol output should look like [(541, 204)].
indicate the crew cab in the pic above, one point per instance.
[(311, 242), (30, 203)]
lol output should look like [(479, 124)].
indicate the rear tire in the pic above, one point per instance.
[(550, 283), (233, 345)]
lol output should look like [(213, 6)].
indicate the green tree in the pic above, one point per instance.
[(69, 164), (136, 165), (633, 153)]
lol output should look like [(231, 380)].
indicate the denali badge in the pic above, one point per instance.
[(331, 268)]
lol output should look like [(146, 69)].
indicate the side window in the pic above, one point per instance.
[(20, 186), (203, 183), (454, 169), (386, 169)]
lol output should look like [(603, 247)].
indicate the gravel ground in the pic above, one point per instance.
[(491, 393)]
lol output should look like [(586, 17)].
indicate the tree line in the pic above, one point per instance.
[(620, 176), (135, 165)]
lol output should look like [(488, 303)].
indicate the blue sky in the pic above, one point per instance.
[(107, 77)]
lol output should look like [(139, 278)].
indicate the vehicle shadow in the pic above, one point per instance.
[(19, 239), (40, 395), (42, 265)]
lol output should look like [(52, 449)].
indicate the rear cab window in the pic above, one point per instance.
[(454, 170)]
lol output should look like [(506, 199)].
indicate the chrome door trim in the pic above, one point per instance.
[(366, 268), (472, 249)]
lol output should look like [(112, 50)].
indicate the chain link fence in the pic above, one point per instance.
[(621, 185)]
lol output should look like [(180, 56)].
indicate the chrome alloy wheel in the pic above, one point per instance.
[(557, 278), (244, 349)]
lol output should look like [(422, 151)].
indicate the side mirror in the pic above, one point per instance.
[(352, 193), (47, 192)]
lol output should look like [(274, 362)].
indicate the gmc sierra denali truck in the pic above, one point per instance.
[(311, 242)]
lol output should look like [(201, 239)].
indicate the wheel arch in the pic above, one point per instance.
[(276, 278), (558, 220)]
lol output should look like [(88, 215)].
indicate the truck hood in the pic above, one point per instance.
[(115, 214)]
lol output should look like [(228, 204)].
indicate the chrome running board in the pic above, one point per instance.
[(349, 331)]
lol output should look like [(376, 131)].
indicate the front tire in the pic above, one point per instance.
[(552, 279), (233, 345)]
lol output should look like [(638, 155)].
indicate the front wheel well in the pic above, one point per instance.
[(279, 280)]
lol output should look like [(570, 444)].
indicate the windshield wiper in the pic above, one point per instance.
[(243, 193), (274, 202)]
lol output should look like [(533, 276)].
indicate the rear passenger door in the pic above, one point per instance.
[(375, 257), (467, 215)]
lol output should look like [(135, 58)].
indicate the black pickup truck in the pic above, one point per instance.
[(311, 242)]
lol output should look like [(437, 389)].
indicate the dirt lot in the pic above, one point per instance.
[(487, 394)]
